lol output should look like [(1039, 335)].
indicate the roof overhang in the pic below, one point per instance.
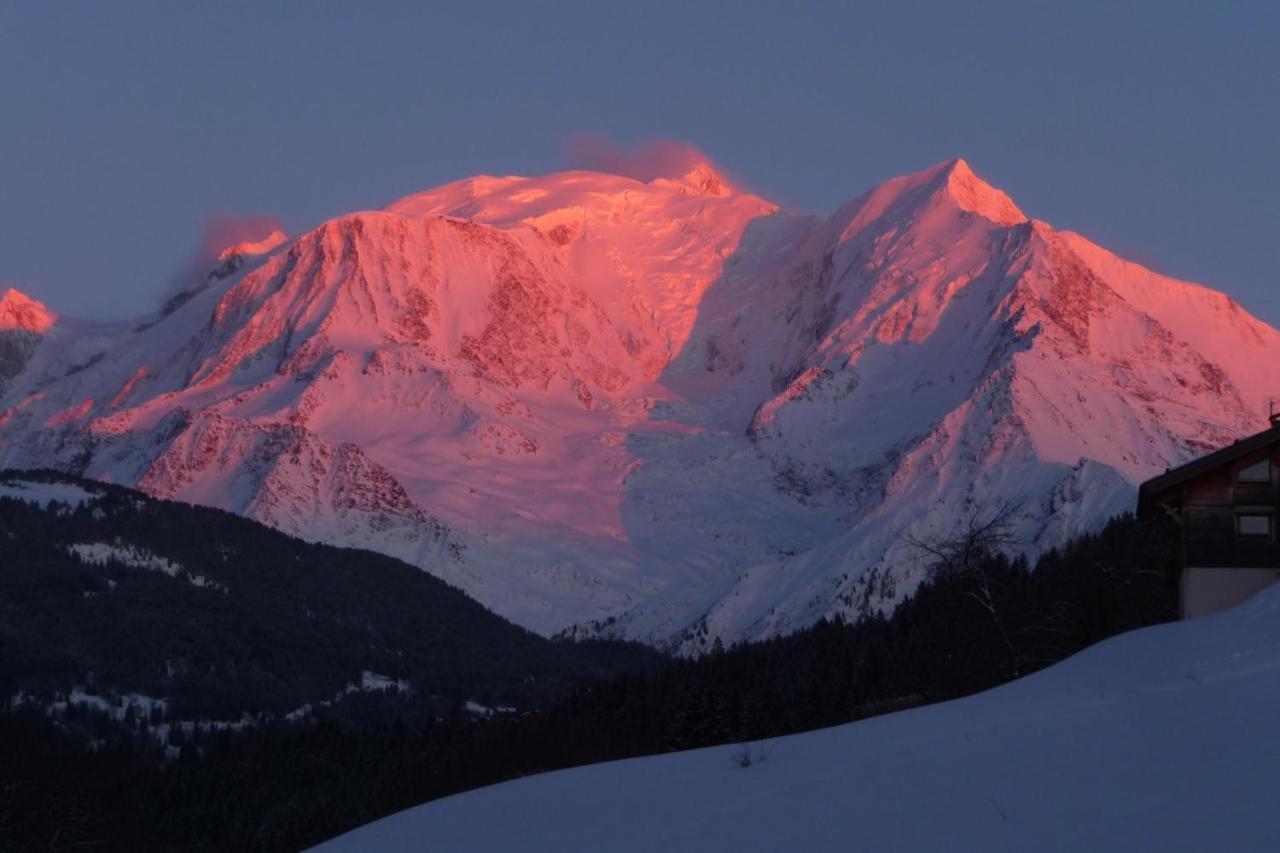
[(1175, 477)]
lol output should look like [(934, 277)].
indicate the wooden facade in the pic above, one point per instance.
[(1225, 508)]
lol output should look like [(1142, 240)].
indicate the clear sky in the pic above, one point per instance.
[(1152, 128)]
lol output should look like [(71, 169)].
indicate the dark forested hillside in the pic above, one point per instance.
[(223, 617), (284, 783)]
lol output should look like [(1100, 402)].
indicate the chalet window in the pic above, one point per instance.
[(1253, 524), (1259, 472)]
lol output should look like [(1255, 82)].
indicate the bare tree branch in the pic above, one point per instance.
[(961, 560)]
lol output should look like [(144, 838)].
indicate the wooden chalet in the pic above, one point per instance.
[(1224, 507)]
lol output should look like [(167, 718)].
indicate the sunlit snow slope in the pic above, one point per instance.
[(666, 410), (1163, 739)]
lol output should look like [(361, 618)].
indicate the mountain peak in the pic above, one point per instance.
[(975, 195), (19, 311), (950, 187), (268, 243), (703, 178)]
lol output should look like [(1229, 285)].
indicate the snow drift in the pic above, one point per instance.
[(1162, 739)]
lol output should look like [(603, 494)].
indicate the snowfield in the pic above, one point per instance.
[(44, 493), (104, 553), (1163, 739)]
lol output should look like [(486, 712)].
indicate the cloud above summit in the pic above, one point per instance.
[(224, 230), (220, 232), (643, 160)]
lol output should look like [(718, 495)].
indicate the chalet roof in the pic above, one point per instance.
[(1196, 467)]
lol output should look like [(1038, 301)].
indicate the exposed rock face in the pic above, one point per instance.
[(659, 410), (23, 323)]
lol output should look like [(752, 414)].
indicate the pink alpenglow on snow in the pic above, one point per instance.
[(19, 311), (252, 234), (653, 405), (23, 324), (654, 159), (260, 246), (224, 237)]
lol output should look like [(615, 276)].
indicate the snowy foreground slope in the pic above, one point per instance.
[(665, 411), (1163, 739)]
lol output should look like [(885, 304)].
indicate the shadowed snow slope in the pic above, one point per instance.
[(1162, 739), (665, 411)]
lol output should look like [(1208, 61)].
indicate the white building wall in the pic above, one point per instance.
[(1207, 591)]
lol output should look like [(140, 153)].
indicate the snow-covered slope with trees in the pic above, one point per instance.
[(667, 411), (1162, 739)]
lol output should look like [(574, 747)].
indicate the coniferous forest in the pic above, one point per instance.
[(307, 689)]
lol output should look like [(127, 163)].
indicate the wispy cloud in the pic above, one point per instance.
[(220, 232), (644, 160)]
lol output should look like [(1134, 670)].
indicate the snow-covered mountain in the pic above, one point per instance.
[(1162, 739), (668, 410)]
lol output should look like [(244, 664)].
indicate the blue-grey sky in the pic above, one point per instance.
[(1152, 128)]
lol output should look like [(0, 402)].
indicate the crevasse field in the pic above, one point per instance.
[(1163, 739)]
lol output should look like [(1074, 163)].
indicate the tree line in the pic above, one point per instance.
[(981, 618)]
